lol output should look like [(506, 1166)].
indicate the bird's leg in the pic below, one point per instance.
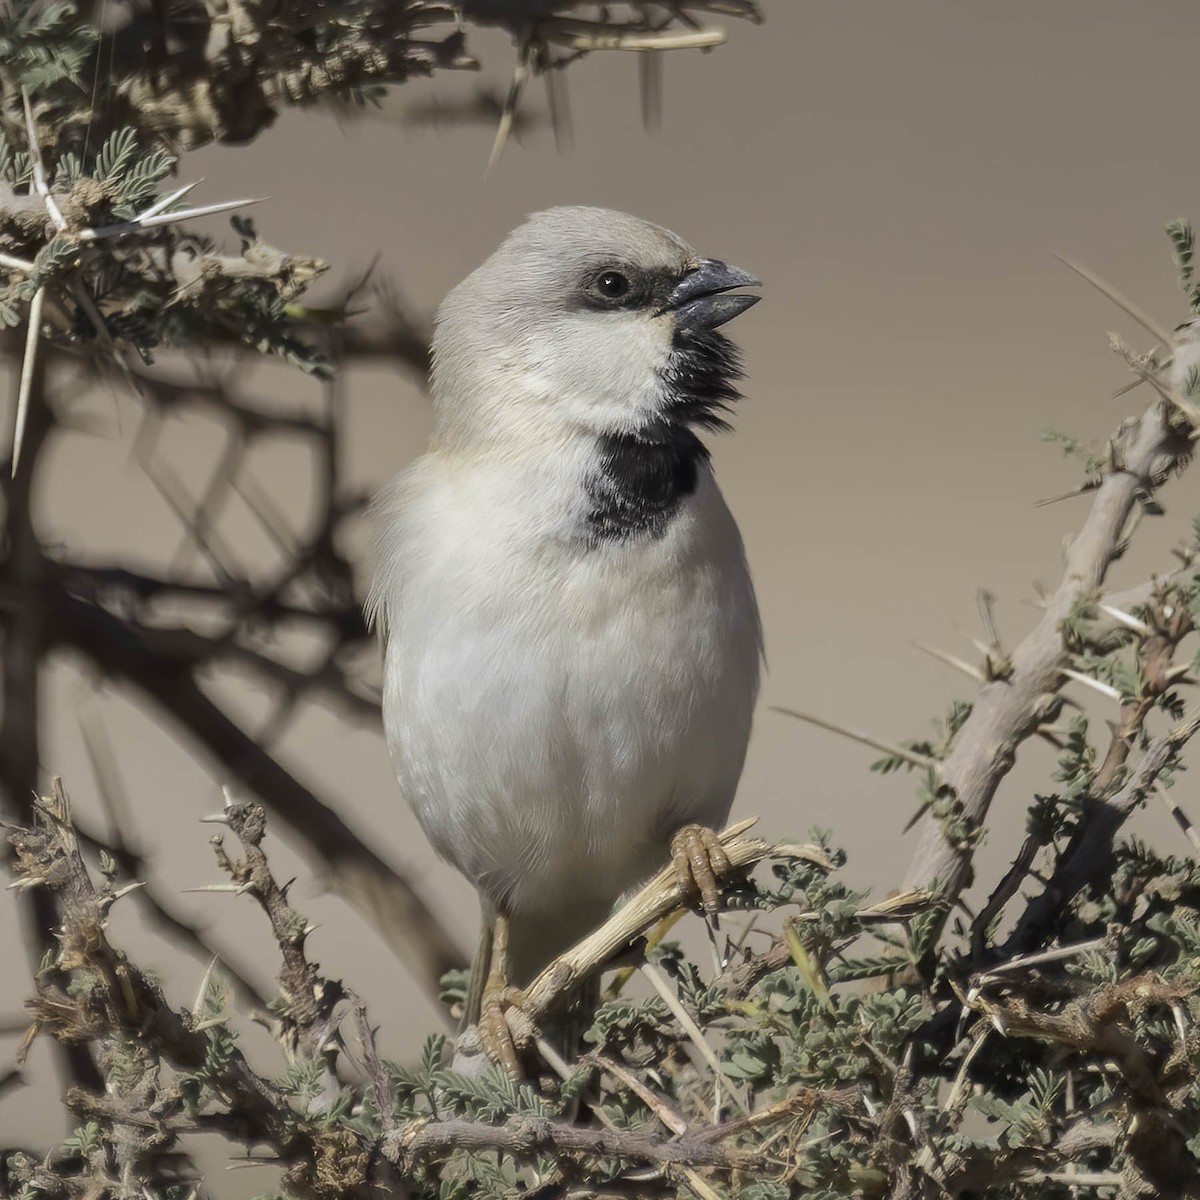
[(699, 860), (499, 996)]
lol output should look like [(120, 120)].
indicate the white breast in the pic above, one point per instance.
[(555, 711)]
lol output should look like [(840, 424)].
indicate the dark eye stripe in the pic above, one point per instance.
[(614, 287)]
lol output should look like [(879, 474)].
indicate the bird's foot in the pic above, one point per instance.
[(699, 860), (504, 1027)]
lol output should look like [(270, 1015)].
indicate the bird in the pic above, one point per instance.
[(571, 640)]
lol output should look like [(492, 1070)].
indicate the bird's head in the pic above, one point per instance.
[(587, 321)]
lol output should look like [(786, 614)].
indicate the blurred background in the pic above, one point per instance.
[(901, 176)]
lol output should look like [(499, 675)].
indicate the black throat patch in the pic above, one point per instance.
[(644, 477)]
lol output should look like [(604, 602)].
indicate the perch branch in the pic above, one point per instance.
[(661, 896)]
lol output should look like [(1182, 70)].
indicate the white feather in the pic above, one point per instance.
[(555, 708)]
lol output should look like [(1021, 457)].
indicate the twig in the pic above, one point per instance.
[(908, 756), (665, 1112), (1122, 301), (1089, 848), (527, 1133), (28, 368), (1181, 818), (951, 660), (1022, 961), (695, 1034)]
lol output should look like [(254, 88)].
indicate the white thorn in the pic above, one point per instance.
[(166, 218), (165, 202), (205, 980), (1103, 688), (1125, 619), (1151, 326), (952, 661), (659, 982), (129, 887), (1180, 1021), (15, 264), (39, 172), (909, 756), (27, 366)]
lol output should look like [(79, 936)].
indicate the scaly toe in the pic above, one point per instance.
[(699, 860), (499, 1011)]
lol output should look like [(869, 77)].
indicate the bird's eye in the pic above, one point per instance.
[(612, 284)]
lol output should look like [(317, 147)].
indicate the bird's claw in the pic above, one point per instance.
[(504, 1027), (699, 860)]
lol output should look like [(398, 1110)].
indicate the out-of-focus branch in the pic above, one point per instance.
[(197, 77), (25, 639)]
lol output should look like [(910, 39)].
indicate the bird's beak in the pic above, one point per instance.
[(699, 300)]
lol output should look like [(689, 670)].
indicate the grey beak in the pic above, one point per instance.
[(698, 300)]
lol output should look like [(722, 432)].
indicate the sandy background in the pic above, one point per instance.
[(900, 175)]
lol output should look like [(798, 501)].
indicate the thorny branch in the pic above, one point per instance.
[(1007, 711), (1089, 853), (203, 74), (181, 1072), (1160, 1163)]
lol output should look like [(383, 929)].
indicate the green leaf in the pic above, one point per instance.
[(16, 166), (432, 1054), (43, 44), (117, 153), (867, 968), (140, 181), (1182, 247), (69, 170), (84, 1140)]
